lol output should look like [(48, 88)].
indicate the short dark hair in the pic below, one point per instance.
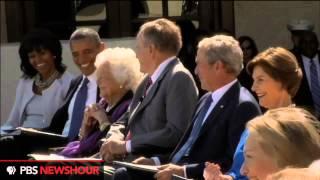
[(83, 33), (37, 40), (281, 65)]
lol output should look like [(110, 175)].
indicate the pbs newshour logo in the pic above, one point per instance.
[(11, 170)]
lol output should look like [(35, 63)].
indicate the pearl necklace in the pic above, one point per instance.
[(46, 83)]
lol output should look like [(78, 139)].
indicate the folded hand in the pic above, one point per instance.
[(144, 161), (166, 171), (113, 149)]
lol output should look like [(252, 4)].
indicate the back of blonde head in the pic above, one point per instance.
[(288, 135), (295, 174)]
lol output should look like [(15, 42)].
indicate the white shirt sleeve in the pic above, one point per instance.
[(128, 146), (156, 161), (185, 171)]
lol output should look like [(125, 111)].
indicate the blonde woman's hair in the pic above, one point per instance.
[(288, 135), (295, 174), (123, 64)]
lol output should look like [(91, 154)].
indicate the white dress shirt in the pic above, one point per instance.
[(216, 96), (91, 99)]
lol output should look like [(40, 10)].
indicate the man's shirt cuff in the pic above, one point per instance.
[(128, 146), (156, 161), (185, 171)]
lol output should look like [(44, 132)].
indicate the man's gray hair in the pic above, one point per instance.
[(164, 34), (225, 49)]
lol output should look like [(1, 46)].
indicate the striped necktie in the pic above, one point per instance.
[(314, 86), (78, 110), (185, 149), (148, 84)]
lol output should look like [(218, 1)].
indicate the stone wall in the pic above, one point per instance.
[(265, 21)]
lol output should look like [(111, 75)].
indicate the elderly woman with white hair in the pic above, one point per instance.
[(118, 75)]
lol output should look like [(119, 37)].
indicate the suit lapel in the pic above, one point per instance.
[(199, 108), (190, 126), (212, 118), (304, 81), (319, 57), (137, 99), (148, 98), (28, 91), (153, 90), (220, 107), (61, 116), (73, 87)]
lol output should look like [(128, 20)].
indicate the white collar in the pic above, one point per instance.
[(217, 94), (160, 68), (307, 58), (92, 77)]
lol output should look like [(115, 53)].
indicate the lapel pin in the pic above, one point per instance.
[(221, 106)]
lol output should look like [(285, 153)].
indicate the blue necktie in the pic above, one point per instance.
[(184, 150), (314, 86), (78, 110)]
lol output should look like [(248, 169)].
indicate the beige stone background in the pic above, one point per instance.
[(265, 21)]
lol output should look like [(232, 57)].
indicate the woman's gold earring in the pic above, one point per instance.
[(121, 86)]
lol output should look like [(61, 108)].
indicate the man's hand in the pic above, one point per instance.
[(113, 149), (166, 171), (143, 160), (212, 171)]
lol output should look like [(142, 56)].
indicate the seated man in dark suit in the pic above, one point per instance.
[(85, 44), (219, 119), (163, 103)]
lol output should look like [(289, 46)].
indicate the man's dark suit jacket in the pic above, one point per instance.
[(303, 97), (221, 131), (61, 116)]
